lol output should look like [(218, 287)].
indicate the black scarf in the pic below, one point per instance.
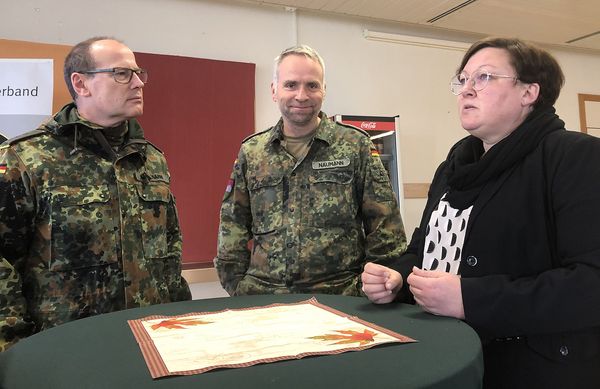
[(469, 169)]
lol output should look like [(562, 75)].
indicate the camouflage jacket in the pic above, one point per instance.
[(81, 234), (314, 222)]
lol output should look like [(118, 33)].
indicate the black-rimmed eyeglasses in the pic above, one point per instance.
[(479, 80), (121, 75)]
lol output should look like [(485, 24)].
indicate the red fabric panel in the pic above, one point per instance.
[(197, 111)]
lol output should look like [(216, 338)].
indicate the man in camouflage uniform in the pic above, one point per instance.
[(312, 195), (88, 223)]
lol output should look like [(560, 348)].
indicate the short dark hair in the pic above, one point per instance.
[(80, 60), (532, 64), (304, 50)]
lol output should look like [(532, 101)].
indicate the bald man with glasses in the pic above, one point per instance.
[(88, 223)]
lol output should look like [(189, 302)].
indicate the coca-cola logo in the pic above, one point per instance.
[(368, 125)]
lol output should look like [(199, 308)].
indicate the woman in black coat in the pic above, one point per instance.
[(509, 240)]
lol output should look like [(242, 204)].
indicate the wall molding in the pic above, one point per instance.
[(416, 190), (415, 41), (193, 276)]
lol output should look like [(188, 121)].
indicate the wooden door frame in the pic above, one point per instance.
[(582, 99)]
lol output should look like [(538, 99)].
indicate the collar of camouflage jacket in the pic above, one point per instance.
[(324, 130), (68, 117), (67, 122)]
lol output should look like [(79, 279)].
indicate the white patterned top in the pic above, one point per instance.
[(445, 237)]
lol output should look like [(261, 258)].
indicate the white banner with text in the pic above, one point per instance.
[(26, 90)]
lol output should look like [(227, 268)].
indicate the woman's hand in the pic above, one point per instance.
[(437, 292), (381, 284)]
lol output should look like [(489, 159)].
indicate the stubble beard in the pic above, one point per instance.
[(299, 119)]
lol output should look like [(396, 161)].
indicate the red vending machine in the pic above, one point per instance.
[(384, 132)]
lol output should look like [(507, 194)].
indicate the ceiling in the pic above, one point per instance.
[(566, 23)]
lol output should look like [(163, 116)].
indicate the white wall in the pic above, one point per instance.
[(363, 77)]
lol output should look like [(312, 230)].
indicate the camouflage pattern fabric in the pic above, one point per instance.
[(80, 234), (313, 223)]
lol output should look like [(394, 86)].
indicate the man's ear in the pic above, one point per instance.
[(79, 82), (273, 91), (530, 94)]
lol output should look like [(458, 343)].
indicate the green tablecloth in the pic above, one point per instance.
[(101, 352)]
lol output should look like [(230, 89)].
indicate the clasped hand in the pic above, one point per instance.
[(435, 291)]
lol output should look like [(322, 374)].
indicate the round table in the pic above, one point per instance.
[(101, 352)]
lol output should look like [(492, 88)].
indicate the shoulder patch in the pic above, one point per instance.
[(256, 134), (354, 128), (26, 135)]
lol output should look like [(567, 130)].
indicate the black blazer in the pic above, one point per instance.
[(530, 265)]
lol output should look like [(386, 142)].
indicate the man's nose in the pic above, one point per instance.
[(301, 93), (136, 82)]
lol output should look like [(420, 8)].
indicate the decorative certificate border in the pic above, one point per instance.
[(195, 343)]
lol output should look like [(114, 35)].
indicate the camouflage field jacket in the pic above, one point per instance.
[(81, 232), (314, 223)]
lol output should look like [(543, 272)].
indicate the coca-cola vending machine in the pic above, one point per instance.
[(384, 132)]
